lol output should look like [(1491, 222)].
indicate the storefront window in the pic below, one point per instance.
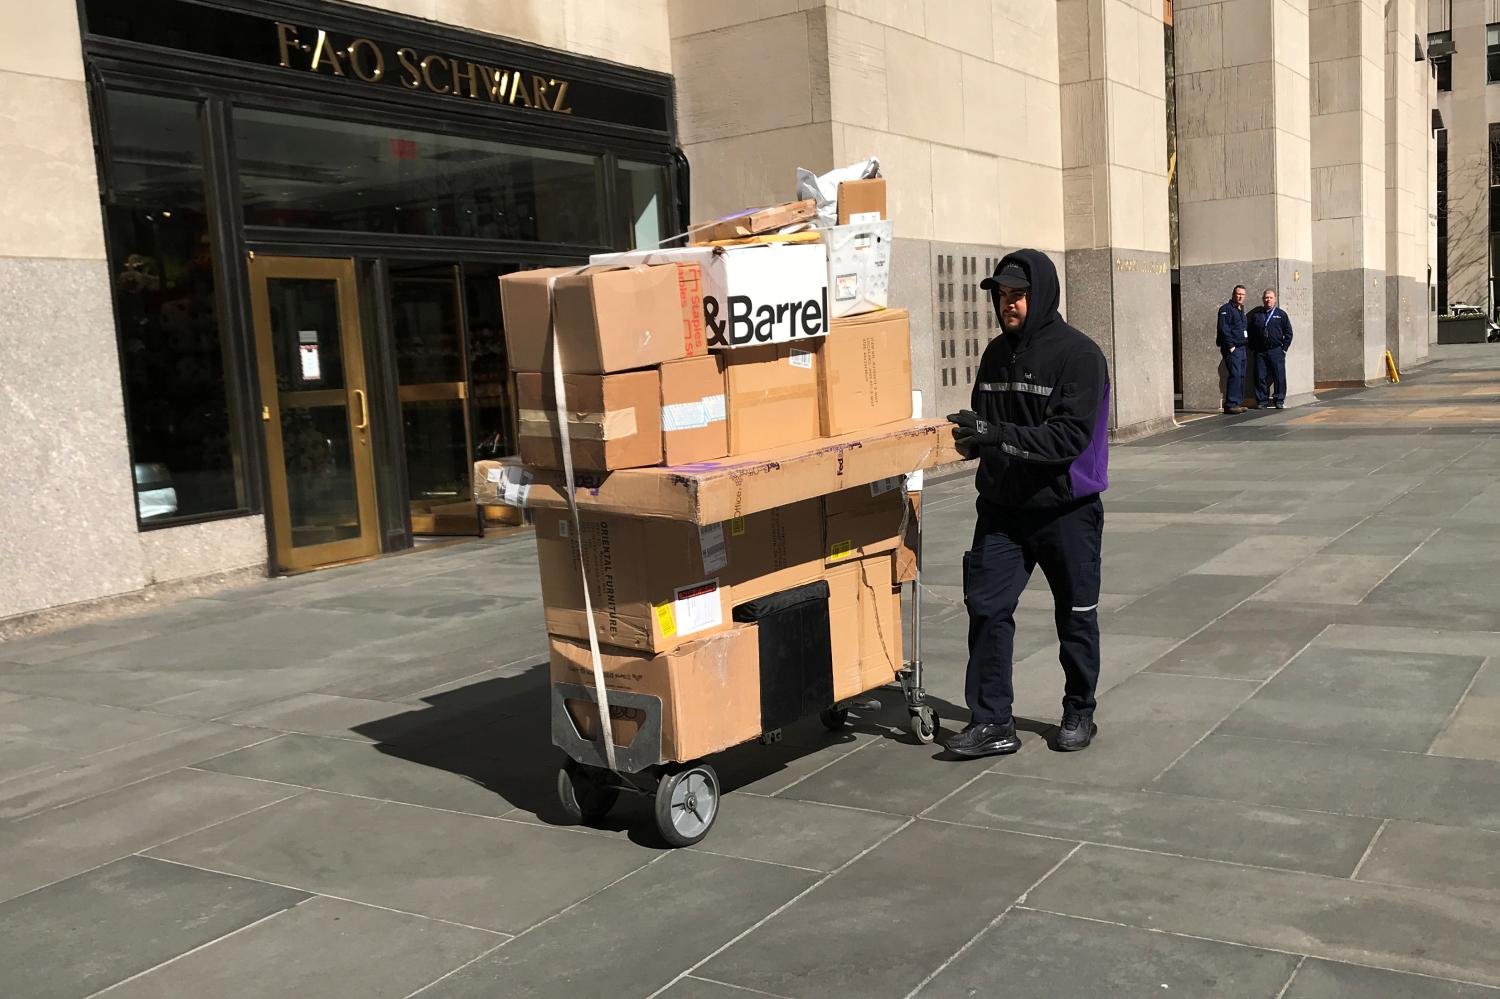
[(317, 173), (643, 188), (177, 400)]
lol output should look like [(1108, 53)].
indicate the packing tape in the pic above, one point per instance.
[(610, 425)]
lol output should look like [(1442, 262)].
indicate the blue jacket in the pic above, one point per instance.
[(1270, 329), (1231, 327)]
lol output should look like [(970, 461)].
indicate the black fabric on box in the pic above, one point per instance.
[(796, 656)]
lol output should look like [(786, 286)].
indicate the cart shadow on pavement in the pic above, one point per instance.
[(496, 733)]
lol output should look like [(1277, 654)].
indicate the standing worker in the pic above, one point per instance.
[(1233, 345), (1039, 427), (1271, 338)]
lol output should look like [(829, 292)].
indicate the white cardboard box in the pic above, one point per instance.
[(859, 267), (754, 294)]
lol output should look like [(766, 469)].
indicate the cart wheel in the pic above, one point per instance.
[(924, 725), (585, 793), (687, 803), (834, 719)]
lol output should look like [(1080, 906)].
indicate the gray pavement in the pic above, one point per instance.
[(342, 784)]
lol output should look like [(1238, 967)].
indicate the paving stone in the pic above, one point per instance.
[(1251, 834), (482, 872), (939, 885), (1242, 644), (636, 936), (84, 728), (1265, 555), (894, 777), (1332, 980), (799, 833), (1036, 954), (1447, 858), (1038, 679), (1181, 607), (1474, 731), (1332, 579), (101, 927), (1427, 932), (698, 988), (335, 717)]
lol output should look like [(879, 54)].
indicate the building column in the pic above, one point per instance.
[(1348, 47), (1469, 161), (1115, 223), (1244, 181), (1408, 132)]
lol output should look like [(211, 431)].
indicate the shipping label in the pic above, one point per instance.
[(711, 544), (697, 608)]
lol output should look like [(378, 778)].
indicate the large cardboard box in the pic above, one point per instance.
[(772, 396), (864, 521), (774, 550), (709, 690), (694, 418), (859, 267), (754, 294), (607, 318), (864, 620), (904, 563), (864, 373), (753, 221), (717, 491), (862, 201), (614, 421)]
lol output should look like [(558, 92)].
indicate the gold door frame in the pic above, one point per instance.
[(355, 398)]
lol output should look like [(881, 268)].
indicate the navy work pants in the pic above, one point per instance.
[(1234, 383), (1270, 377), (1008, 544)]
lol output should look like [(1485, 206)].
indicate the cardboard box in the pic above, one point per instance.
[(614, 421), (753, 294), (709, 690), (774, 550), (862, 201), (864, 521), (864, 373), (904, 562), (694, 418), (772, 396), (753, 221), (864, 621), (859, 267), (719, 491), (608, 318), (654, 584)]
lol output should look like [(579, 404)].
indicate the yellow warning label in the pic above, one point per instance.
[(840, 549), (666, 619), (737, 526)]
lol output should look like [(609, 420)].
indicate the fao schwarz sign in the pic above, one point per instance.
[(369, 61)]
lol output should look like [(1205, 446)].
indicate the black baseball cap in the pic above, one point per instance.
[(1011, 275)]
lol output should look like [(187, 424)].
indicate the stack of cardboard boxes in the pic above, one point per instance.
[(730, 410)]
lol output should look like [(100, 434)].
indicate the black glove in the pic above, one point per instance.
[(970, 432)]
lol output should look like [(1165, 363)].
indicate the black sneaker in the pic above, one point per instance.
[(985, 739), (1078, 730)]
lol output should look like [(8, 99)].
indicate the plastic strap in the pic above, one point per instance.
[(606, 729)]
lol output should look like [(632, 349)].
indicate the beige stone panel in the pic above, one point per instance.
[(906, 15), (1201, 169), (629, 31), (962, 24), (994, 120), (1293, 167), (1127, 210), (1121, 40), (741, 171), (717, 97), (1250, 163), (907, 165), (856, 71), (1336, 244), (966, 196), (1158, 231), (1372, 87), (1374, 231), (1335, 31), (1153, 52), (1336, 137), (1043, 143), (1372, 144), (1084, 123), (1200, 104), (541, 23), (1199, 34), (49, 185), (1336, 192), (1248, 98), (1074, 42), (1291, 113), (1293, 229), (1249, 31), (1293, 42), (691, 17), (426, 9), (174, 553), (923, 100), (1137, 129), (1085, 192), (1025, 34), (41, 39), (1031, 212), (1336, 86), (1216, 232), (1372, 29)]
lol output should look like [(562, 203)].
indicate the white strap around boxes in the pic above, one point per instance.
[(606, 730)]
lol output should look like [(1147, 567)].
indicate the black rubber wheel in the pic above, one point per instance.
[(585, 792), (834, 719), (924, 725), (687, 803)]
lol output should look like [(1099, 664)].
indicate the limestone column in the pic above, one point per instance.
[(1408, 131), (1348, 48), (1469, 161), (1244, 184), (1115, 222)]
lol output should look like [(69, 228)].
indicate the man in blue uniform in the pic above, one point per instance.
[(1233, 344), (1040, 429), (1270, 338)]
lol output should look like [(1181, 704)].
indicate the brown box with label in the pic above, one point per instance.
[(864, 620), (772, 395), (861, 197), (709, 690), (694, 421), (774, 550), (864, 373), (614, 421), (863, 521), (607, 318)]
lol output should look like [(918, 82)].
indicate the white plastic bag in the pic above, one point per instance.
[(825, 189)]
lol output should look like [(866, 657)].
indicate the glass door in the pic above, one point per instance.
[(316, 410)]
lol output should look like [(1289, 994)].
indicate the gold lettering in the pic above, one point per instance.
[(286, 40), (518, 89), (471, 74), (558, 103), (539, 92), (495, 82), (406, 58), (365, 45), (427, 62), (333, 55)]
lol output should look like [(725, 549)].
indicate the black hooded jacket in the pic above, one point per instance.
[(1047, 387)]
